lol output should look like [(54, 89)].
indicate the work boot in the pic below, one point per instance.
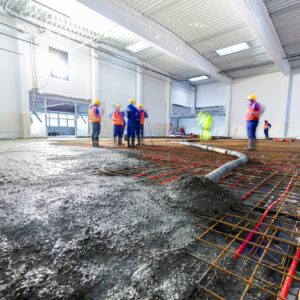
[(133, 142), (115, 142), (97, 143), (120, 141), (248, 148), (128, 143), (253, 144), (139, 141)]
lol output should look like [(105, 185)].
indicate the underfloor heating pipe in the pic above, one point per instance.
[(244, 244), (289, 279)]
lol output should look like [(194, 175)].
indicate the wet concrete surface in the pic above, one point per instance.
[(68, 233)]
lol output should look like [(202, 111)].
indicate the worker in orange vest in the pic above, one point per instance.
[(118, 124), (267, 126), (142, 116), (252, 119), (95, 119)]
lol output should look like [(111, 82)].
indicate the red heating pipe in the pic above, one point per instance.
[(242, 247), (288, 280)]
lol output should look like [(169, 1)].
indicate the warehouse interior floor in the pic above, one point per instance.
[(79, 222)]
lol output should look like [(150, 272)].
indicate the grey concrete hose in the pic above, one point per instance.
[(226, 168)]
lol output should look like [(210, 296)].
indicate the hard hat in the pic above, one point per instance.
[(140, 105), (252, 97), (97, 102), (131, 100), (117, 105)]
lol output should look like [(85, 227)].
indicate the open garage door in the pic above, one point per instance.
[(58, 116)]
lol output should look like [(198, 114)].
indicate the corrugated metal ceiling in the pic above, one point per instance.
[(285, 15), (108, 33), (206, 26)]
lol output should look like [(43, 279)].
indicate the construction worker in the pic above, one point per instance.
[(205, 122), (132, 116), (118, 124), (252, 119), (95, 119), (267, 126), (142, 116)]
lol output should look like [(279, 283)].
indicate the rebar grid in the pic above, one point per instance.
[(268, 254)]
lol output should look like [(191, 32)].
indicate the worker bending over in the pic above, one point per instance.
[(118, 124), (132, 117), (267, 126), (252, 119), (95, 119), (142, 116)]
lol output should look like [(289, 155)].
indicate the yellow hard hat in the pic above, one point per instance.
[(97, 102), (252, 97), (140, 105), (131, 100)]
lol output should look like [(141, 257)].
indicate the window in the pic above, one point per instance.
[(58, 64), (63, 122)]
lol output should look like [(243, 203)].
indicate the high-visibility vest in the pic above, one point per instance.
[(93, 115), (266, 126), (143, 115), (253, 114), (117, 118)]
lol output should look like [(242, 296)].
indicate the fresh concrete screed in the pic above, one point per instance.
[(67, 232), (83, 223)]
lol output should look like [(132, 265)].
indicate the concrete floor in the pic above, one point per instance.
[(75, 225), (68, 233)]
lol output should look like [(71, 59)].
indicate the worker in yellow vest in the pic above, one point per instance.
[(95, 119)]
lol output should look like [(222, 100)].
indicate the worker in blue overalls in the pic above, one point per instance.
[(132, 116), (142, 116), (252, 119), (118, 123)]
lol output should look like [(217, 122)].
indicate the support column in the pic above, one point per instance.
[(139, 85), (227, 110), (168, 107), (24, 49), (94, 75), (286, 103)]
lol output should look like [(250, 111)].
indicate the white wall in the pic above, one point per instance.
[(10, 96), (156, 93), (212, 94), (116, 85), (294, 111), (270, 91), (182, 94), (79, 65)]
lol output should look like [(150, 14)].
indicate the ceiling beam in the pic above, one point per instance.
[(257, 17), (155, 35)]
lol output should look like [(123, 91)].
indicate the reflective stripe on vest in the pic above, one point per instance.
[(93, 116), (142, 119), (117, 118), (253, 114)]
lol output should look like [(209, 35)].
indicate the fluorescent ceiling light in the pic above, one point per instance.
[(138, 47), (198, 78), (233, 49)]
